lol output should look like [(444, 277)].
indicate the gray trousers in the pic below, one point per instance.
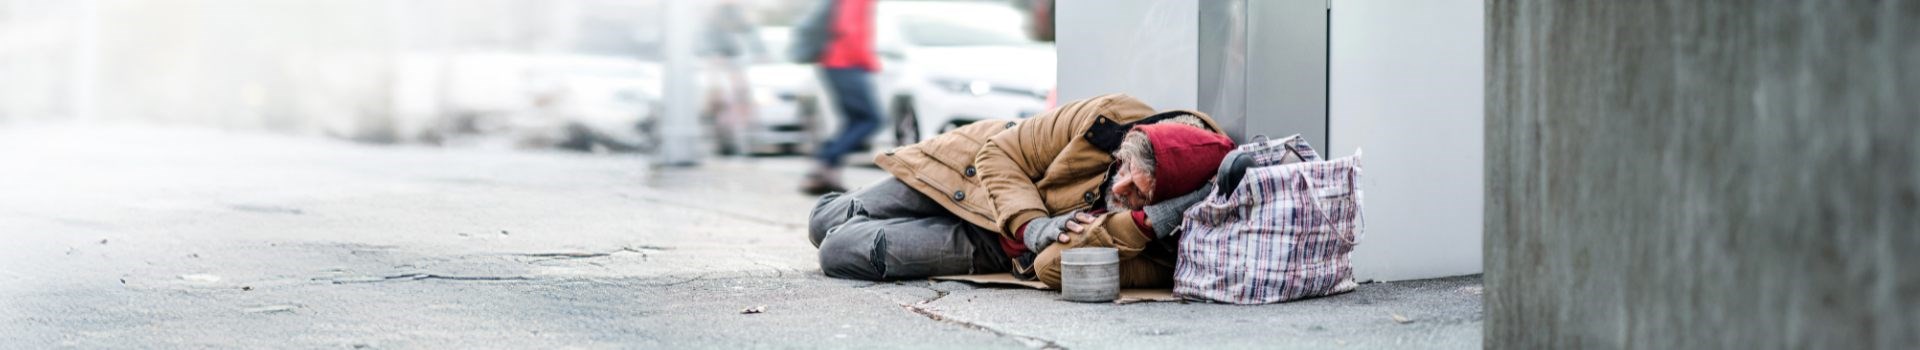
[(888, 231)]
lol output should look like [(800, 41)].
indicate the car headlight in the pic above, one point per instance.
[(960, 86)]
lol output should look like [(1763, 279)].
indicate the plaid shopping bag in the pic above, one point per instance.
[(1283, 233)]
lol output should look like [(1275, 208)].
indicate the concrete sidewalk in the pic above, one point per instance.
[(137, 238)]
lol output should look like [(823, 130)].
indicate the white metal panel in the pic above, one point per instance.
[(1407, 87), (1145, 48)]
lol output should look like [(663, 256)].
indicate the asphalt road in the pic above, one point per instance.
[(167, 238)]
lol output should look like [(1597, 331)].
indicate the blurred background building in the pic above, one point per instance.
[(581, 74), (347, 68)]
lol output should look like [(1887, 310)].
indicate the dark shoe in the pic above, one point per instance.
[(816, 185), (1023, 267)]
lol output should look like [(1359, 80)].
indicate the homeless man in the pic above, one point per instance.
[(1007, 195)]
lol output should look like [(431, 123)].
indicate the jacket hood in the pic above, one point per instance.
[(1184, 157)]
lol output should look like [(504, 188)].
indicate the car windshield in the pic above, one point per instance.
[(957, 25)]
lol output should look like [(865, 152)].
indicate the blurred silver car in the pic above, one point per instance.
[(953, 63), (785, 109), (580, 102)]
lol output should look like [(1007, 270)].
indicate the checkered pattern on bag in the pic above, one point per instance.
[(1284, 234), (1290, 149)]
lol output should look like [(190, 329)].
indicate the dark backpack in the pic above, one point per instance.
[(812, 33)]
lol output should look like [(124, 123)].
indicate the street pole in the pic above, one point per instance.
[(680, 123), (85, 64)]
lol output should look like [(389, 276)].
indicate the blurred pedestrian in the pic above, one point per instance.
[(838, 35), (730, 38)]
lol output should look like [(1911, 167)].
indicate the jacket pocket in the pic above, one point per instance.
[(957, 191), (955, 151)]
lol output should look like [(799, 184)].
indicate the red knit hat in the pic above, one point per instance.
[(1184, 157)]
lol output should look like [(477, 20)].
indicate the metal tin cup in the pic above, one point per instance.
[(1090, 275)]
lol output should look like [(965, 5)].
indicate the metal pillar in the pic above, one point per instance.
[(86, 61), (680, 141)]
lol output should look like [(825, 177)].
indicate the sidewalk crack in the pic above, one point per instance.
[(924, 309), (1031, 341), (641, 249), (422, 276), (722, 212)]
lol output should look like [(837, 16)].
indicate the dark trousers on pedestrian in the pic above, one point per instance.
[(859, 113), (888, 231)]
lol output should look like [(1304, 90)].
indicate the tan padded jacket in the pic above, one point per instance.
[(998, 174)]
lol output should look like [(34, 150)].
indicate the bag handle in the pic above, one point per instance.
[(1320, 210)]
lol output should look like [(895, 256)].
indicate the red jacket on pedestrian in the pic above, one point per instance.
[(852, 44)]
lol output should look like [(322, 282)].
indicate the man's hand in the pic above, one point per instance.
[(1078, 224), (1046, 231)]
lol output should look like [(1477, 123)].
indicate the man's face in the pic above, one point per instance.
[(1132, 188)]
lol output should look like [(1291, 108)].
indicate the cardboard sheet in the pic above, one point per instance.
[(998, 279), (1127, 296), (1141, 295)]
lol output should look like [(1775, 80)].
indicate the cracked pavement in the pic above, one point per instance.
[(125, 237)]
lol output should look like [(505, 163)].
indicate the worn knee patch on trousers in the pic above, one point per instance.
[(848, 253), (833, 210)]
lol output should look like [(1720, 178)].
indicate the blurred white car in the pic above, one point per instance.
[(783, 90), (580, 102), (604, 102), (946, 64)]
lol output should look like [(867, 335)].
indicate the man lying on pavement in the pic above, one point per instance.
[(966, 202)]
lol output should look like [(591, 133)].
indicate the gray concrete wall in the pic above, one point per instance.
[(1691, 174)]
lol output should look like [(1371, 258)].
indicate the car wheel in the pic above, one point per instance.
[(906, 127)]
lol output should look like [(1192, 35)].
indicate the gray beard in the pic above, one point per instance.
[(1106, 196), (1113, 202)]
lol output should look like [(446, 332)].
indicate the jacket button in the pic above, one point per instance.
[(1089, 197), (1009, 125), (970, 171), (959, 195)]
